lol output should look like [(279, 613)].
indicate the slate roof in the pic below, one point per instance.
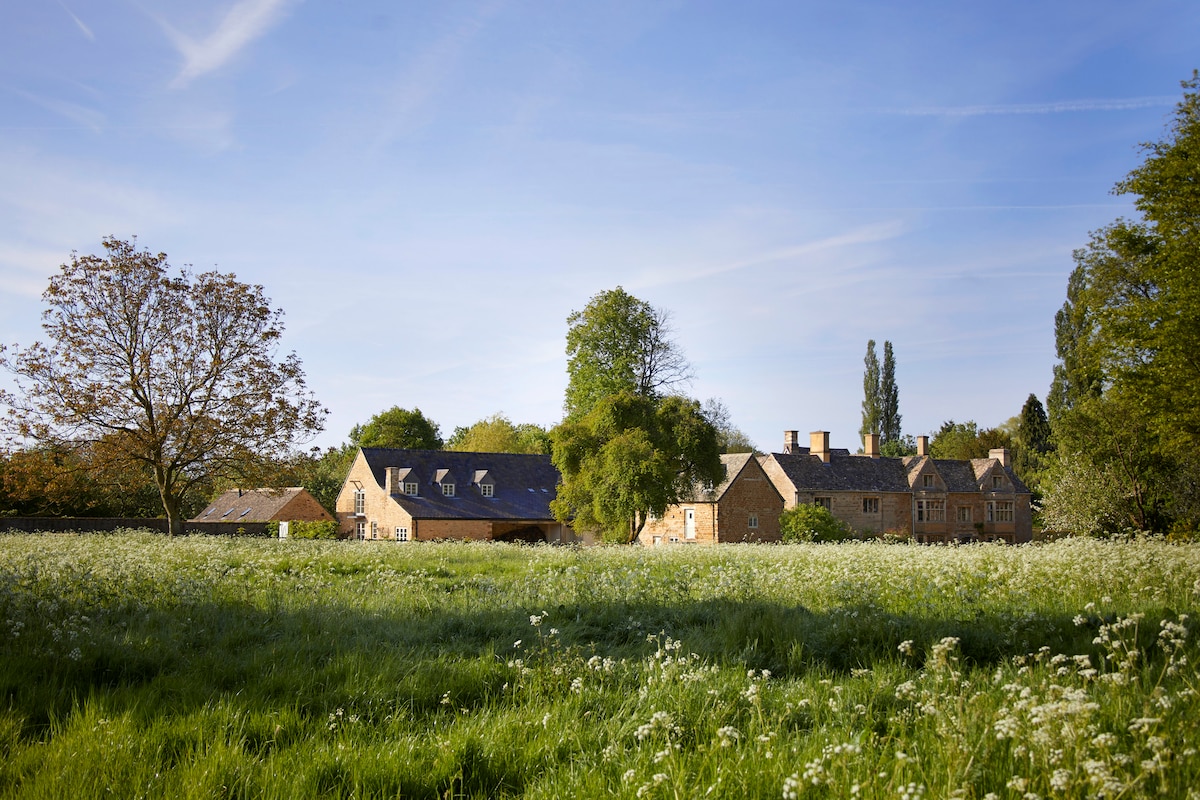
[(844, 472), (734, 463), (524, 484), (857, 473), (248, 505)]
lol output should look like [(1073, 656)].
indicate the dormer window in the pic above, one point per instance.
[(487, 489), (410, 488), (447, 490)]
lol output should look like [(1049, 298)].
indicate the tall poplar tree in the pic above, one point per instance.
[(872, 405), (889, 417)]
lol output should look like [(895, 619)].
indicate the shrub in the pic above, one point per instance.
[(811, 522), (301, 529)]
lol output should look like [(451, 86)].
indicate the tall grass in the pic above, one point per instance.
[(136, 665)]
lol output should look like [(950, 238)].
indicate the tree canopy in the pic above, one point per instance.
[(619, 343), (629, 457), (176, 373), (399, 428), (881, 398), (498, 434), (1125, 403), (965, 440)]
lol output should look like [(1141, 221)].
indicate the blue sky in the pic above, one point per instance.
[(429, 189)]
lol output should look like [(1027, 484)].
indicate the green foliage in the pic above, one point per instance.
[(497, 434), (964, 440), (1031, 443), (398, 428), (311, 529), (631, 456), (1129, 332), (619, 343), (171, 373), (812, 522), (872, 404), (905, 445), (889, 399)]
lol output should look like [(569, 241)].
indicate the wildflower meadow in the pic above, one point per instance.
[(137, 665)]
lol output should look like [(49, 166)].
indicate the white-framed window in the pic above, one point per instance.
[(486, 489), (927, 481), (931, 511), (964, 513), (1000, 511), (753, 521), (870, 505), (360, 530), (374, 530), (410, 488), (360, 502), (827, 502), (447, 490), (401, 534)]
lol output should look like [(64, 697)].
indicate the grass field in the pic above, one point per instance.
[(136, 665)]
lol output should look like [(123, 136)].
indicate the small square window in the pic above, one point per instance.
[(870, 505), (486, 489), (964, 513), (401, 534), (827, 502), (927, 481), (753, 521), (997, 482), (410, 488), (447, 490)]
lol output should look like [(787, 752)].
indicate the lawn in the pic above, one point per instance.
[(136, 665)]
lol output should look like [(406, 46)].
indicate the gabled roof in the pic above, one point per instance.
[(844, 472), (524, 484), (250, 505), (986, 466)]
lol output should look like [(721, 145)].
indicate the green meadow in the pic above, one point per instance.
[(137, 665)]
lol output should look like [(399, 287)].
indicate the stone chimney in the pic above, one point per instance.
[(391, 481), (922, 445), (818, 445), (791, 442), (1001, 455), (871, 445)]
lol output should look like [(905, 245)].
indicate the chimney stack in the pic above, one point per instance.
[(391, 481), (1001, 455), (818, 445), (791, 442), (871, 445), (922, 445)]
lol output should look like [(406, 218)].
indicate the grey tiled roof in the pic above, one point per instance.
[(844, 472), (248, 505), (524, 484)]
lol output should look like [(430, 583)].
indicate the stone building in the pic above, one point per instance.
[(410, 495), (745, 507), (293, 504), (933, 500)]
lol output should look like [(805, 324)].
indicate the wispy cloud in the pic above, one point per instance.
[(867, 234), (1059, 107), (80, 115), (246, 21), (78, 22), (430, 71)]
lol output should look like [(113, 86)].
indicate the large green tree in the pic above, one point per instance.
[(629, 457), (399, 428), (619, 343), (498, 434), (1125, 401), (173, 372)]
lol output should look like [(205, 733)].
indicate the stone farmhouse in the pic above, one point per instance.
[(293, 504), (745, 507), (933, 500), (410, 495)]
